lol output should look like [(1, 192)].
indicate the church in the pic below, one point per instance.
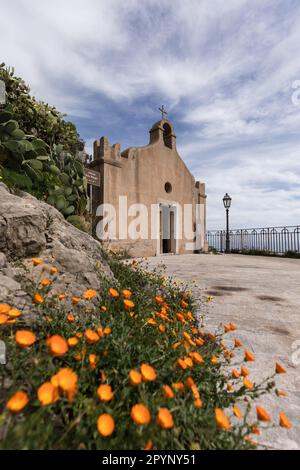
[(147, 202)]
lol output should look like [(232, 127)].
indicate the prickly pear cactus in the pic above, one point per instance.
[(29, 163)]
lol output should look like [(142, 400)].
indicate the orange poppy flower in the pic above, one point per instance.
[(182, 364), (105, 424), (284, 421), (255, 430), (3, 318), (105, 392), (197, 358), (178, 386), (107, 331), (190, 382), (71, 318), (184, 304), (244, 371), (38, 298), (195, 391), (235, 374), (188, 362), (61, 296), (199, 341), (248, 384), (66, 379), (214, 360), (103, 308), (45, 282), (158, 299), (75, 300), (4, 308), (186, 335), (198, 403), (79, 334), (14, 313), (279, 369), (89, 294), (237, 343), (113, 293), (25, 338), (249, 356), (211, 336), (232, 327), (73, 341), (227, 328), (140, 414), (165, 419), (47, 394), (128, 304), (93, 361), (17, 402), (151, 321), (179, 316), (148, 445), (126, 293), (135, 377), (168, 392), (162, 328), (53, 270), (148, 373), (237, 412), (103, 376), (58, 346), (262, 415), (37, 261), (281, 393), (91, 336), (221, 419)]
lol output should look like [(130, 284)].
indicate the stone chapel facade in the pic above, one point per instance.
[(156, 177)]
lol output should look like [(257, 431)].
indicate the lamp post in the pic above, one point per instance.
[(227, 203)]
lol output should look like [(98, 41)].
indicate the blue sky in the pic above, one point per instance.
[(227, 72)]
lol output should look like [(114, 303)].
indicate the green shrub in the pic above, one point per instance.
[(39, 159), (185, 391)]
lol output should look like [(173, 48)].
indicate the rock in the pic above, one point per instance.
[(22, 225), (29, 227)]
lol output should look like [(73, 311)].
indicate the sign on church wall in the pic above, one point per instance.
[(93, 177)]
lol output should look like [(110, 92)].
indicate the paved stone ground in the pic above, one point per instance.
[(262, 296)]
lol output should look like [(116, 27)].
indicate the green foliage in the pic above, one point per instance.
[(79, 222), (35, 154), (36, 117), (130, 341)]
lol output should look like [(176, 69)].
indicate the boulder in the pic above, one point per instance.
[(31, 228)]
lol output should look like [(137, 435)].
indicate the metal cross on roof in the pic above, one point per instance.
[(162, 110)]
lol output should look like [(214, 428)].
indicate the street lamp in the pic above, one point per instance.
[(227, 203)]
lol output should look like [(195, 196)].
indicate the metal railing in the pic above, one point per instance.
[(268, 239)]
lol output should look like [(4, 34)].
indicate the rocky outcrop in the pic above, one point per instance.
[(31, 228)]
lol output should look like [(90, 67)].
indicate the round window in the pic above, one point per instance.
[(168, 187)]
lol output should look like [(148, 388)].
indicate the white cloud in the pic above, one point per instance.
[(224, 68)]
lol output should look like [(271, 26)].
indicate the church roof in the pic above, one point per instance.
[(160, 124)]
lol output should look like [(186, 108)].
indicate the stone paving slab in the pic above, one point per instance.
[(262, 296)]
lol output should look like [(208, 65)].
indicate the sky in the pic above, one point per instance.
[(228, 73)]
